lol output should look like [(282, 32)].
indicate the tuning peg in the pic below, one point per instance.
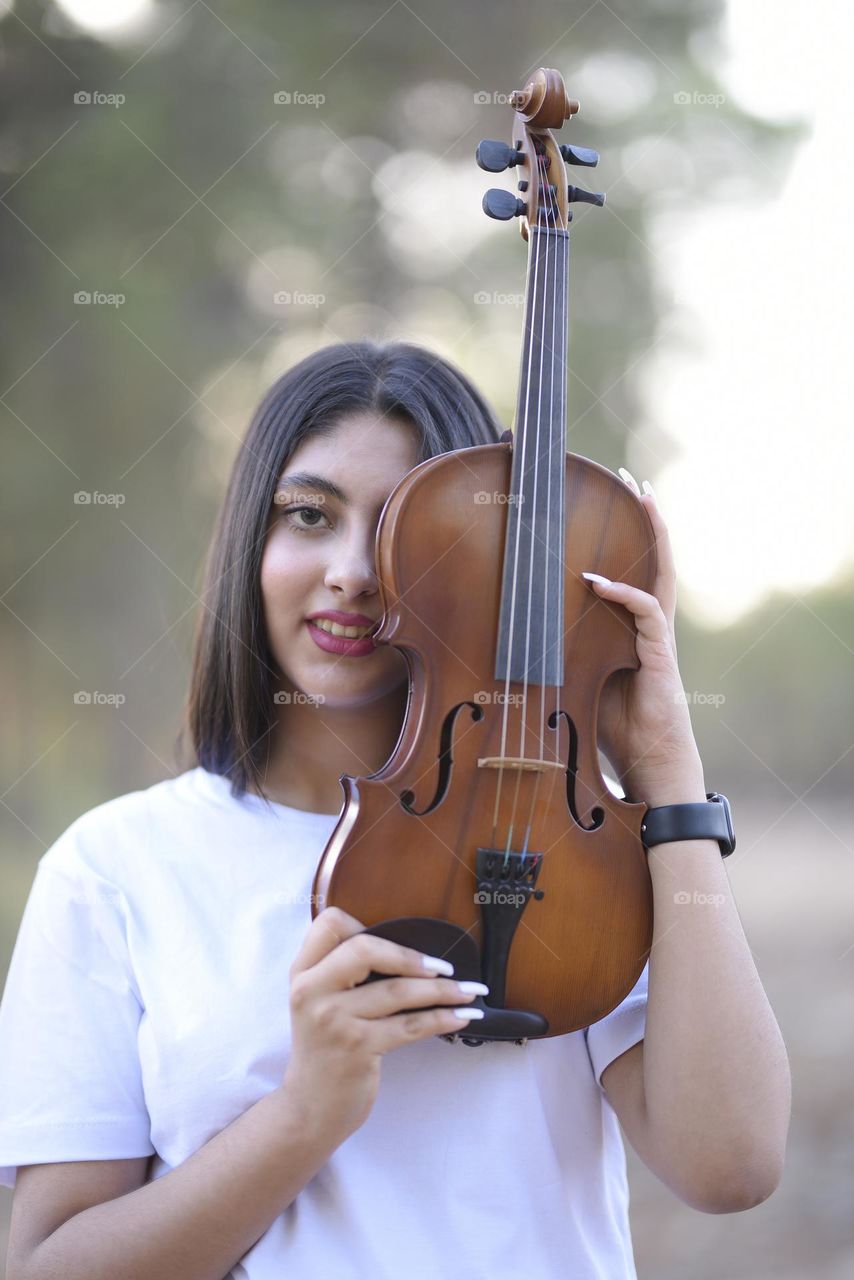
[(578, 194), (502, 204), (497, 156), (579, 155)]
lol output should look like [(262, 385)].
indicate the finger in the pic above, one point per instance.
[(665, 577), (403, 1028), (395, 995), (351, 963), (665, 582), (329, 928), (646, 609)]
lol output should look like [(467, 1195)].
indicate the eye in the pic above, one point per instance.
[(291, 512)]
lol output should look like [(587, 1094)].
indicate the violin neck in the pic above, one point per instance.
[(541, 402), (532, 603)]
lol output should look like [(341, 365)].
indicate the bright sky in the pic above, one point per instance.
[(110, 17), (760, 499)]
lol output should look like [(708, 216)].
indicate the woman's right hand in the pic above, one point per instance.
[(340, 1030)]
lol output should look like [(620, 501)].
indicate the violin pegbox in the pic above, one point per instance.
[(541, 106)]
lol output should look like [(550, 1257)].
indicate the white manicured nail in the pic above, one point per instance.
[(630, 480), (437, 966), (647, 488), (473, 988), (468, 1013), (597, 577)]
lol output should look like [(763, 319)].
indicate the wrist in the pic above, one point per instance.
[(678, 791), (307, 1125), (682, 784)]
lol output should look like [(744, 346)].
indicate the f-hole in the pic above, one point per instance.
[(446, 760), (597, 815)]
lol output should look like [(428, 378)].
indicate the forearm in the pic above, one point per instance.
[(716, 1075), (196, 1222)]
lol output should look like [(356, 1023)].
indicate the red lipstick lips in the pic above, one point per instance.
[(359, 647)]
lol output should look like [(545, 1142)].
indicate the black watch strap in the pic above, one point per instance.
[(709, 821)]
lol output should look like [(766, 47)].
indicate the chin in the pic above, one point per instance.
[(343, 699), (344, 690)]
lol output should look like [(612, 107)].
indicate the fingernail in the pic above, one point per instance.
[(437, 965), (647, 488), (630, 480), (468, 1013), (597, 577), (473, 988)]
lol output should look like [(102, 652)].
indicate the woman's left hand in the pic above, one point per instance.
[(644, 723)]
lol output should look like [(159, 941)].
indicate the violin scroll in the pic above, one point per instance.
[(541, 106)]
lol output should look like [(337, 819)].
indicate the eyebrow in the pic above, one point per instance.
[(308, 480)]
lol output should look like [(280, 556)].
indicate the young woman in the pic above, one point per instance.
[(193, 1081)]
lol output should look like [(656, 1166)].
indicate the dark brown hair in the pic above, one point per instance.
[(229, 714)]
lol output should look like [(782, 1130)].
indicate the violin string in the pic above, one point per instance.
[(533, 256), (547, 227), (542, 231), (555, 224), (543, 222)]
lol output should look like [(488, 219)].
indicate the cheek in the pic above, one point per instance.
[(285, 579)]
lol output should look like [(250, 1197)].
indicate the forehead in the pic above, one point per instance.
[(365, 451)]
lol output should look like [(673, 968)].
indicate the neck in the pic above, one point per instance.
[(314, 744)]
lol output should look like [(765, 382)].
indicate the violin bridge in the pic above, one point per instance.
[(519, 762)]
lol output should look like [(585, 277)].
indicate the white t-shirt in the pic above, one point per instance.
[(146, 1008)]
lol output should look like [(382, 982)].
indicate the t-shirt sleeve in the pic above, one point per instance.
[(619, 1029), (70, 1080)]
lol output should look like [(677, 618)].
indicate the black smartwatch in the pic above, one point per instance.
[(709, 821)]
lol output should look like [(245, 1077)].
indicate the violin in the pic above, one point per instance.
[(490, 836)]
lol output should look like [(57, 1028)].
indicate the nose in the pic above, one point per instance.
[(352, 567)]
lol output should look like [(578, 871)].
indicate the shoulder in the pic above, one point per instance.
[(103, 869), (113, 835)]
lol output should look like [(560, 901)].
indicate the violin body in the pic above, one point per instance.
[(490, 837), (406, 844)]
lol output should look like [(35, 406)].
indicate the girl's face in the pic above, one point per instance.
[(320, 555)]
